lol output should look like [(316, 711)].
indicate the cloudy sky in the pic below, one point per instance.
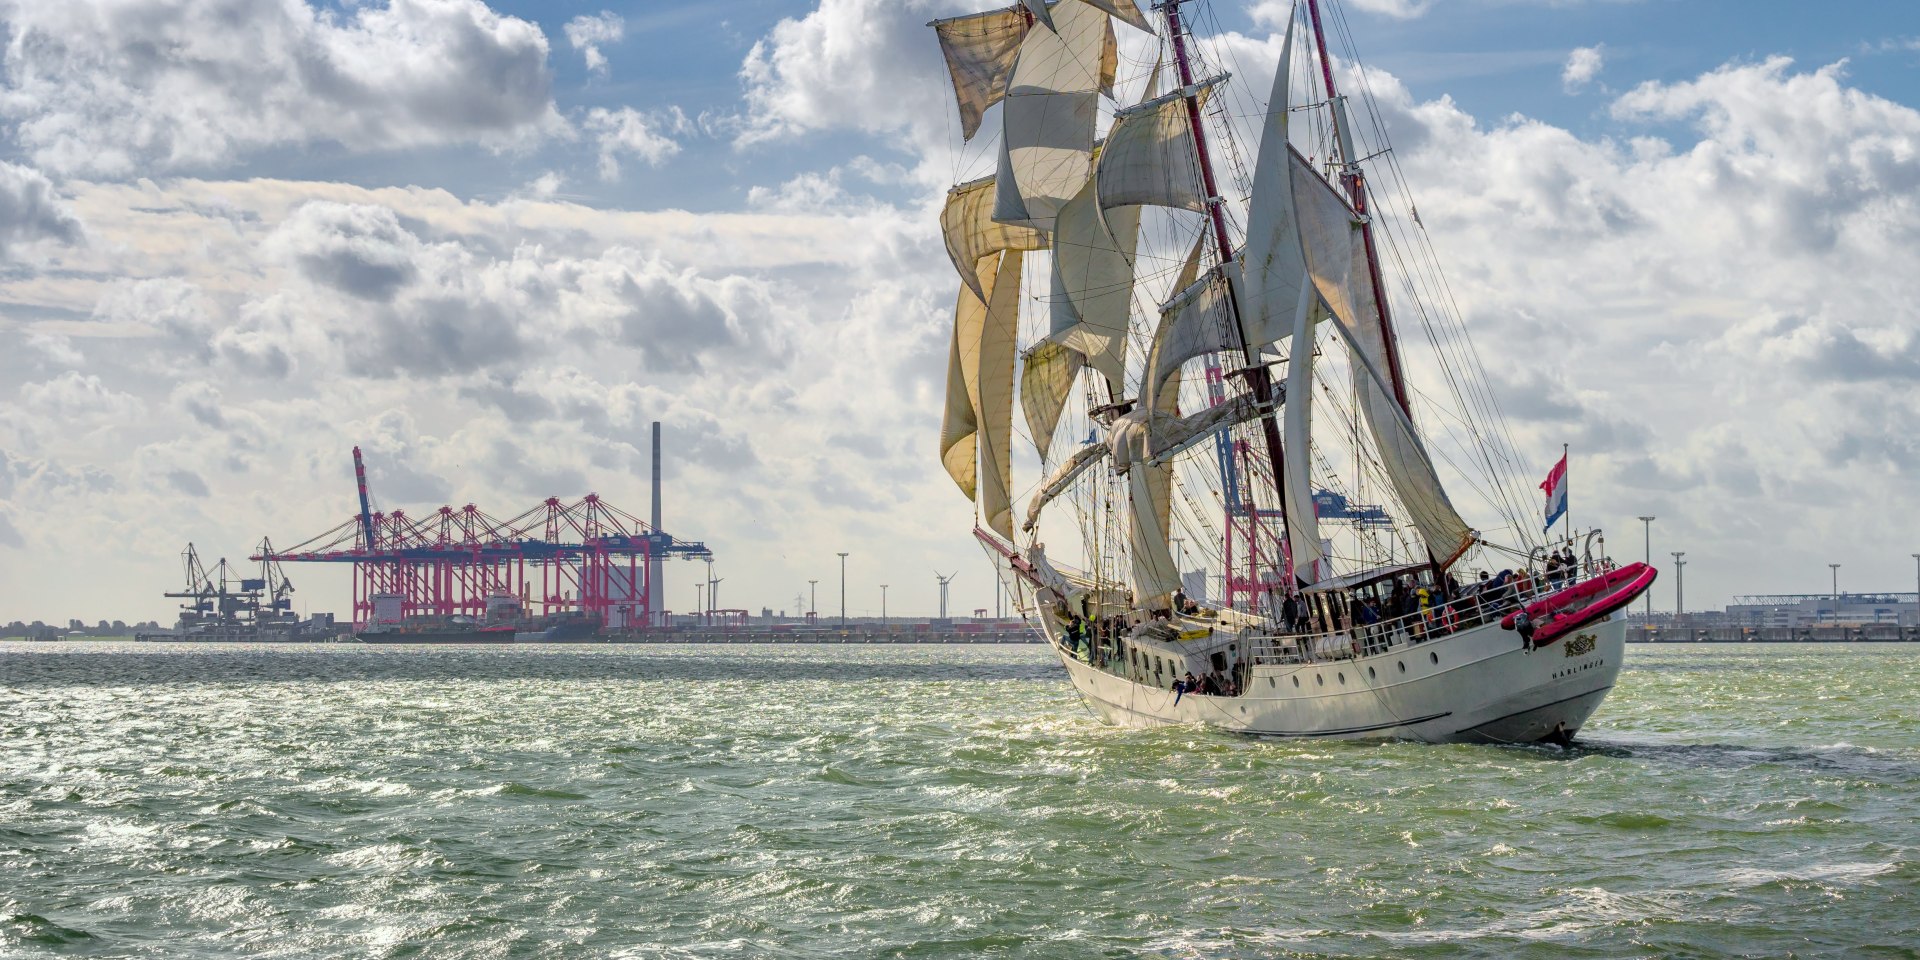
[(490, 243)]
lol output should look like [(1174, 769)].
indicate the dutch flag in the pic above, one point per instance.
[(1556, 488)]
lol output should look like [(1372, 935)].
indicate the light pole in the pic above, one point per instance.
[(1916, 589), (699, 590), (1646, 527), (843, 588), (883, 604), (813, 597), (1679, 585), (1836, 591)]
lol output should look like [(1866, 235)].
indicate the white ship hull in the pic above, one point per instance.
[(1478, 686)]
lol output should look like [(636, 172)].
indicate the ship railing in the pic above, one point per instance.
[(1364, 640)]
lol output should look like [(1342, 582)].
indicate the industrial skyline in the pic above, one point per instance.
[(497, 248)]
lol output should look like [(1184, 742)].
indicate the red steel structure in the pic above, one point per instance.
[(587, 556)]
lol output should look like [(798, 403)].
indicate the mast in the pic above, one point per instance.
[(1356, 183), (1259, 380)]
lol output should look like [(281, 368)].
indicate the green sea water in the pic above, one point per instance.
[(797, 801)]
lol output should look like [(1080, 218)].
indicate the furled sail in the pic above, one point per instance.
[(977, 431), (1149, 156), (980, 49), (1047, 117), (1170, 435), (1061, 478), (971, 234), (1273, 264)]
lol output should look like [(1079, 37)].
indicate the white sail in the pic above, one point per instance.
[(971, 233), (980, 50), (1303, 522), (995, 412), (1126, 11), (1092, 298), (977, 430), (1273, 264), (1047, 375), (959, 426), (1193, 323), (1336, 261), (1048, 115), (1402, 456), (1155, 576), (1149, 156)]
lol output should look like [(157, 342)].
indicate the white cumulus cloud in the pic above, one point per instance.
[(120, 87), (588, 33), (1583, 64), (627, 132)]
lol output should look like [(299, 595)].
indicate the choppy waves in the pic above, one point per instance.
[(922, 802)]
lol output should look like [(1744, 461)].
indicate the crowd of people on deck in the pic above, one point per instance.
[(1374, 615), (1422, 607)]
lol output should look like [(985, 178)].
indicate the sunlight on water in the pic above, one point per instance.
[(922, 802)]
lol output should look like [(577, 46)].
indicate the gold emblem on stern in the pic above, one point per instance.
[(1581, 645)]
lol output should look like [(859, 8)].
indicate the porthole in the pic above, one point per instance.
[(1403, 666), (1371, 675), (1343, 678), (1320, 679), (1434, 657), (1270, 682), (1296, 681)]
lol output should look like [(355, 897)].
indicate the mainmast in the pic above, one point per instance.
[(1259, 380), (1356, 183)]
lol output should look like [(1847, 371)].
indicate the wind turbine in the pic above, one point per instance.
[(944, 582)]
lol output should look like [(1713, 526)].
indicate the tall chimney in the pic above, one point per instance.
[(656, 596)]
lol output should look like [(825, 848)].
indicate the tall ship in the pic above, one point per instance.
[(1237, 498)]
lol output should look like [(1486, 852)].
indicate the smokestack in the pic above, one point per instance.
[(655, 567)]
